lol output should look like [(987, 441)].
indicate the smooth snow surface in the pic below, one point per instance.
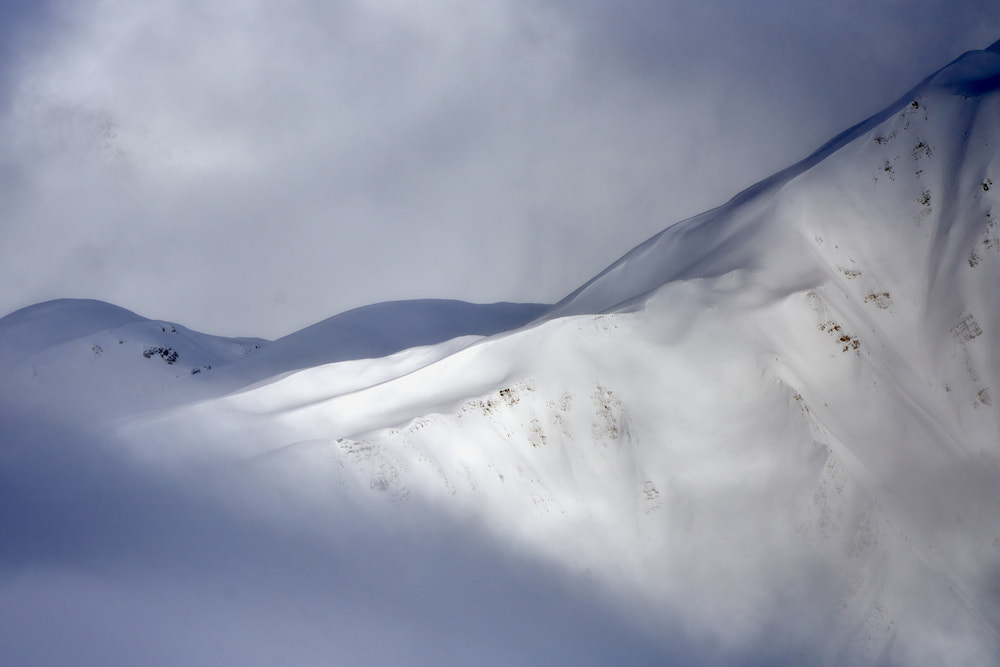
[(769, 435)]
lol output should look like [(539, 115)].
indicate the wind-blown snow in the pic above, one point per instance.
[(770, 434)]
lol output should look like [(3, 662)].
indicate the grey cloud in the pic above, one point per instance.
[(251, 170), (804, 72), (24, 26), (106, 561)]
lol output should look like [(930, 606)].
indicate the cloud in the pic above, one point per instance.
[(247, 169), (104, 560)]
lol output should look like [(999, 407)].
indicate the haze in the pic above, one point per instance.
[(249, 169)]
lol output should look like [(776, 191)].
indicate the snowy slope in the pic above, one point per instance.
[(91, 359), (57, 353), (385, 328), (773, 429)]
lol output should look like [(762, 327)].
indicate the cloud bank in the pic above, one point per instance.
[(249, 169), (106, 561)]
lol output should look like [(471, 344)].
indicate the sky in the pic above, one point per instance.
[(250, 168)]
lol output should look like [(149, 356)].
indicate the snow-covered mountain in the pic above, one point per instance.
[(55, 353), (769, 434)]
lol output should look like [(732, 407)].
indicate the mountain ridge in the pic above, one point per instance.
[(979, 73), (772, 425)]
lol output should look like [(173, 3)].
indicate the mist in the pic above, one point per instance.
[(250, 170)]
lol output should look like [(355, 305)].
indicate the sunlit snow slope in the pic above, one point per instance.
[(774, 427)]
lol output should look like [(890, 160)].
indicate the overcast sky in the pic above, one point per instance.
[(248, 168)]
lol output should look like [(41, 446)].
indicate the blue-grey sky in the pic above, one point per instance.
[(251, 168)]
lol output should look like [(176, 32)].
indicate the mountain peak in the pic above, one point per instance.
[(43, 325), (728, 238)]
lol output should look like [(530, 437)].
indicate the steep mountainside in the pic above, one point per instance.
[(772, 430)]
